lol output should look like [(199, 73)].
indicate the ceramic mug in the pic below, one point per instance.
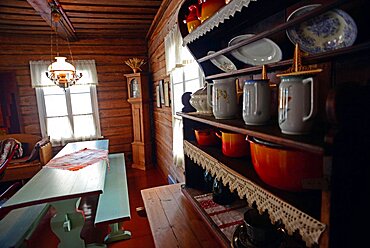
[(221, 95), (221, 194), (256, 102), (297, 104)]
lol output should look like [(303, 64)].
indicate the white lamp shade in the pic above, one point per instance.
[(61, 66)]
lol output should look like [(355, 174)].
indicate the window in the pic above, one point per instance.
[(185, 79), (71, 114), (186, 76)]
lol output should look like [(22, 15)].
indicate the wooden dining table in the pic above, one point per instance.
[(63, 189)]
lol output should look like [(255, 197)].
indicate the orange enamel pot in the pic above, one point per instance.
[(234, 144), (284, 168), (206, 137)]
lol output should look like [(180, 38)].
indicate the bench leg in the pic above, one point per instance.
[(117, 233), (67, 223)]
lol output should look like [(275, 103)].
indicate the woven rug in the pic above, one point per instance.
[(227, 218), (79, 159)]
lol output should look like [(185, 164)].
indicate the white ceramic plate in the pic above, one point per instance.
[(260, 52), (222, 62), (329, 31)]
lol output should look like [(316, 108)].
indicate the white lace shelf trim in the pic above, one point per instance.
[(294, 220), (225, 13)]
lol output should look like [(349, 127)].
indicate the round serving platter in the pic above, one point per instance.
[(329, 31)]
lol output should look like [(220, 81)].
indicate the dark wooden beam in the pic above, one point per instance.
[(65, 28), (158, 17)]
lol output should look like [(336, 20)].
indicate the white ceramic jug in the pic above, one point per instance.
[(297, 104), (256, 102), (222, 98)]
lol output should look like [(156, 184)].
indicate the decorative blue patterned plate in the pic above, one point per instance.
[(329, 31)]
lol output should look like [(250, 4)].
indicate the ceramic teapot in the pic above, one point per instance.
[(297, 104), (192, 19), (199, 101), (222, 96)]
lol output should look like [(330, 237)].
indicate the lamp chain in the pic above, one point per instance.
[(70, 51), (51, 37), (57, 37)]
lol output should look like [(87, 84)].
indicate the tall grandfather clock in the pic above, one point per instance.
[(138, 97)]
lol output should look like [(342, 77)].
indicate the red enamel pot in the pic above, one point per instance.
[(234, 144), (284, 168), (206, 137)]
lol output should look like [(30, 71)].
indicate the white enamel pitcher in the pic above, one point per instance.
[(297, 104), (223, 98), (256, 101)]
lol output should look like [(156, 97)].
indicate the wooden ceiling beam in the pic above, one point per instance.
[(108, 21), (143, 3), (65, 28), (158, 17), (109, 9), (111, 15), (20, 17)]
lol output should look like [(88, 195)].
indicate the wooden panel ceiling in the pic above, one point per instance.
[(87, 19)]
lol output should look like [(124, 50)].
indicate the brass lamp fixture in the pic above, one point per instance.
[(60, 72)]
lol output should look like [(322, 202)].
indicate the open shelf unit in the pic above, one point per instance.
[(341, 67), (312, 143)]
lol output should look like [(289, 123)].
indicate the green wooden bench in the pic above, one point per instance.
[(19, 224), (113, 205)]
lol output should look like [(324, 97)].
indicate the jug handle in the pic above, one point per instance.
[(209, 94), (256, 99), (218, 134), (312, 107), (239, 90)]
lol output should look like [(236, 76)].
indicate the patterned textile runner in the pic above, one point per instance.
[(227, 218), (9, 148), (79, 159)]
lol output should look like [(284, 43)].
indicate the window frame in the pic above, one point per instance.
[(40, 96)]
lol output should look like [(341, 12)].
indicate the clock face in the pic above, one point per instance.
[(135, 90)]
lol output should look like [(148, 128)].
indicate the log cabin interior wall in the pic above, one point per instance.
[(163, 115), (109, 54)]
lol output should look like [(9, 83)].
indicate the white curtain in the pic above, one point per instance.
[(178, 147), (38, 74), (88, 70), (86, 67), (175, 54)]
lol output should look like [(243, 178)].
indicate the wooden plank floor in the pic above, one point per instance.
[(139, 226), (173, 221)]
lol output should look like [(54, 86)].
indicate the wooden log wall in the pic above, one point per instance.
[(109, 56), (162, 115)]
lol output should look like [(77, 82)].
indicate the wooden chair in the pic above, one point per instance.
[(37, 152)]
